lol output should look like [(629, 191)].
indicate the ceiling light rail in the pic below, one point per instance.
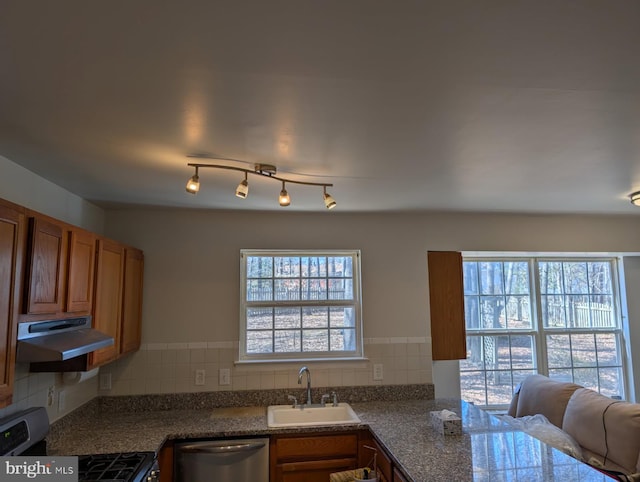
[(259, 169)]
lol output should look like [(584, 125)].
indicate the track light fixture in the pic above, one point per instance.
[(634, 197), (193, 184), (264, 170)]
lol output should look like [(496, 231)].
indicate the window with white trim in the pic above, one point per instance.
[(300, 305), (559, 317)]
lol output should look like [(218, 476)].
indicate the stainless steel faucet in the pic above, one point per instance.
[(302, 370)]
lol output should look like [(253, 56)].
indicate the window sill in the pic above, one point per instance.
[(295, 362)]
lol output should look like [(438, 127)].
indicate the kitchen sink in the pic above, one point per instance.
[(305, 416)]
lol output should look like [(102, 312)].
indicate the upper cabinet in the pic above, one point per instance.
[(12, 243), (446, 300), (132, 301), (81, 272), (60, 268), (45, 267), (107, 313)]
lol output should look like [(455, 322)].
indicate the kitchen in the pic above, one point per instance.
[(192, 283)]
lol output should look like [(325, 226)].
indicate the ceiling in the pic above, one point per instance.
[(474, 105)]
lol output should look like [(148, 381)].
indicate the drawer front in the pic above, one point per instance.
[(317, 447)]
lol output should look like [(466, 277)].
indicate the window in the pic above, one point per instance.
[(557, 317), (300, 305)]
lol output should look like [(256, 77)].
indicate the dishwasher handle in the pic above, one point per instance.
[(208, 448)]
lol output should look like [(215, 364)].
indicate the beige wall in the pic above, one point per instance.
[(23, 187), (192, 281)]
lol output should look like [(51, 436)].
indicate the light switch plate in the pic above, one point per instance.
[(225, 376), (377, 371), (199, 377), (105, 381)]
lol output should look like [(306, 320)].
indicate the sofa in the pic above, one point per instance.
[(607, 430)]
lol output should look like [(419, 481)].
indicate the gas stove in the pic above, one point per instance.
[(24, 434)]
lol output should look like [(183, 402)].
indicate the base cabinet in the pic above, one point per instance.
[(312, 458)]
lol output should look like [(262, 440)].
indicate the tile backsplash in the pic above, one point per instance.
[(171, 368)]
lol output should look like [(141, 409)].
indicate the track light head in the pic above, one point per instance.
[(193, 184), (284, 198), (242, 190), (329, 202)]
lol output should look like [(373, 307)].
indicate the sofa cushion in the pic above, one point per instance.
[(539, 394), (606, 427)]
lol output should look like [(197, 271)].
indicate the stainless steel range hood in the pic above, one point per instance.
[(59, 340)]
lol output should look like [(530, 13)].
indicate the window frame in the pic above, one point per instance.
[(298, 356), (538, 331)]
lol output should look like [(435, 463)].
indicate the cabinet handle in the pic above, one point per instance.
[(221, 449)]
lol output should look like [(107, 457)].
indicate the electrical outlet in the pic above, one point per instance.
[(199, 377), (377, 371), (224, 376), (62, 400), (105, 381), (51, 395)]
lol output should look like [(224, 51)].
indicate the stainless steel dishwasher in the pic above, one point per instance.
[(236, 460)]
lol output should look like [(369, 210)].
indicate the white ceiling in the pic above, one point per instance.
[(487, 105)]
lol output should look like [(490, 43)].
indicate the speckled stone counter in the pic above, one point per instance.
[(486, 451)]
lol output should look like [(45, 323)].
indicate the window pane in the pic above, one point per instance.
[(341, 289), (470, 277), (600, 277), (575, 277), (314, 289), (558, 351), (343, 339), (499, 387), (259, 290), (287, 318), (342, 316), (287, 341), (314, 267), (286, 267), (583, 350), (611, 382), (608, 353), (259, 342), (561, 375), (472, 386), (601, 311), (259, 318), (259, 267), (516, 277), (519, 312), (587, 377), (553, 312), (550, 277), (471, 313), (287, 289), (491, 277), (492, 312), (315, 340), (315, 317), (340, 266), (522, 351)]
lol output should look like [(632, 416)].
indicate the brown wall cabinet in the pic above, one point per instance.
[(81, 271), (12, 243), (107, 313), (446, 301)]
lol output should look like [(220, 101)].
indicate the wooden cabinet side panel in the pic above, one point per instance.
[(132, 301), (384, 464), (82, 251), (46, 267), (446, 301), (108, 298), (397, 476), (12, 241)]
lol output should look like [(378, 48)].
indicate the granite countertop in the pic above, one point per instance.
[(488, 450)]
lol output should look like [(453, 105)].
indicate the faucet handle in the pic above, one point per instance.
[(325, 397), (295, 400), (334, 395)]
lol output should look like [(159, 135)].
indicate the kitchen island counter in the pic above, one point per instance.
[(487, 450)]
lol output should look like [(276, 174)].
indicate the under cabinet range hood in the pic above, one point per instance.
[(58, 340)]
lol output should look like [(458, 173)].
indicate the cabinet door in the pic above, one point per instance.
[(383, 464), (12, 240), (46, 267), (446, 301), (132, 301), (108, 298), (397, 476), (82, 252), (313, 471)]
